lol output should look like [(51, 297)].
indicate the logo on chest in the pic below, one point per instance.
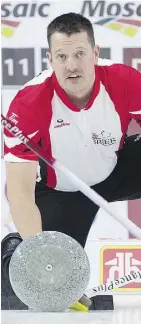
[(104, 138), (61, 123)]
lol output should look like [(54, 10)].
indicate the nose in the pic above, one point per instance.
[(71, 64)]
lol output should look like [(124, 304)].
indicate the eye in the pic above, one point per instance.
[(61, 57), (80, 54)]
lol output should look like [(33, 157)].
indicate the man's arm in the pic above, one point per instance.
[(21, 168), (21, 178)]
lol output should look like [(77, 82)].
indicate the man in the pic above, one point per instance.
[(79, 113)]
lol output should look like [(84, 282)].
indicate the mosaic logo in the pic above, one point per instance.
[(20, 11), (115, 16)]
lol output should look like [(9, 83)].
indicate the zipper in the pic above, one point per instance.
[(84, 128)]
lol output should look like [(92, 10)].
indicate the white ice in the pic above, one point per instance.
[(118, 316)]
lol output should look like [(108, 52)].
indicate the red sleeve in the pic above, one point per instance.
[(22, 116), (134, 94)]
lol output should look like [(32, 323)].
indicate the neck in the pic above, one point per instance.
[(81, 101)]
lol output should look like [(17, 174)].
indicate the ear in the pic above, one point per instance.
[(49, 57), (96, 53)]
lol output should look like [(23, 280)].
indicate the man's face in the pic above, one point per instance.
[(72, 59)]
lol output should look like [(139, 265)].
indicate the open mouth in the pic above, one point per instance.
[(74, 77)]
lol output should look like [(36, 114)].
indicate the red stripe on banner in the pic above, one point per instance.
[(10, 23), (130, 22)]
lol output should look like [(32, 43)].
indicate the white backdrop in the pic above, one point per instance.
[(117, 29)]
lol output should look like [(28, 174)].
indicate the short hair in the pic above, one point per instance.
[(69, 24)]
